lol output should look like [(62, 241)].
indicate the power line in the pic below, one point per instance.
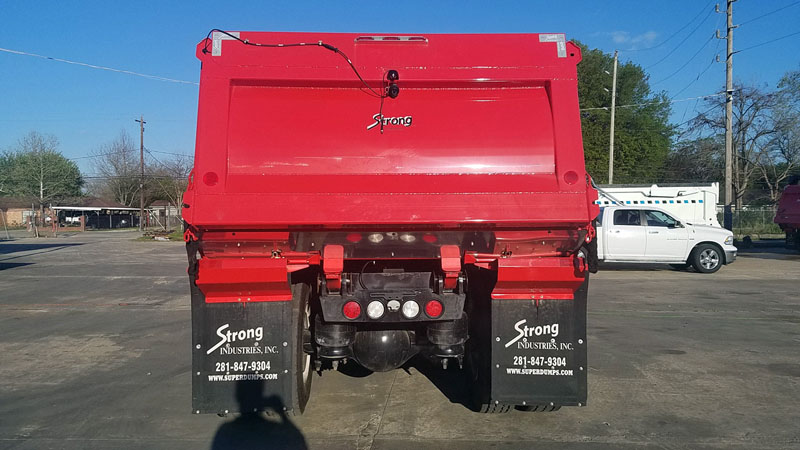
[(713, 60), (771, 12), (93, 66), (93, 156), (687, 62), (767, 42), (169, 153), (656, 101), (681, 42), (673, 34)]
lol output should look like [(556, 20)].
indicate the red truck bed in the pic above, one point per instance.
[(788, 214), (291, 137)]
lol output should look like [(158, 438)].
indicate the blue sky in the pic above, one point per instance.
[(85, 107)]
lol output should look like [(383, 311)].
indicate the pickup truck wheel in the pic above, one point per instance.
[(303, 369), (706, 258)]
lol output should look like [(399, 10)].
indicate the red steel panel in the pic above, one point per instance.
[(487, 132), (243, 279)]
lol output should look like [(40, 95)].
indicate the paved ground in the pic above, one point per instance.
[(94, 353)]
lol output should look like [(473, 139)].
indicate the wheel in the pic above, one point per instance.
[(683, 266), (539, 408), (706, 258), (479, 372), (303, 370)]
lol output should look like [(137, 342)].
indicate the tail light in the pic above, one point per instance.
[(410, 309), (434, 309), (351, 310), (375, 310)]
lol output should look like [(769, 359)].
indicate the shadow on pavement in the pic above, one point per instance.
[(453, 382), (255, 430), (603, 267), (8, 248), (11, 265)]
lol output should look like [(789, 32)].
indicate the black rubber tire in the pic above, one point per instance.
[(683, 266), (539, 408), (707, 258), (494, 408), (303, 371), (479, 371)]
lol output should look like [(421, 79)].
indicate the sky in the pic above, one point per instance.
[(86, 108)]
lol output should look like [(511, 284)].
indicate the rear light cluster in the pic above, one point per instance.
[(376, 309), (377, 238)]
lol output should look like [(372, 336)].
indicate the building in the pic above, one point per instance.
[(95, 213)]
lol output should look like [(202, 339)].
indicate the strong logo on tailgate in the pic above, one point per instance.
[(380, 118)]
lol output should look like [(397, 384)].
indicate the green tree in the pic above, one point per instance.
[(642, 133), (35, 168)]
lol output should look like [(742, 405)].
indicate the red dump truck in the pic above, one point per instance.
[(373, 198), (788, 214)]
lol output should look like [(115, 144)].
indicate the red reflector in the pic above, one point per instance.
[(210, 178), (433, 309), (429, 238), (354, 237), (351, 310)]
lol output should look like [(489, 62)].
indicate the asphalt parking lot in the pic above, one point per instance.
[(95, 353)]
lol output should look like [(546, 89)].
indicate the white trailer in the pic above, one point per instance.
[(696, 203)]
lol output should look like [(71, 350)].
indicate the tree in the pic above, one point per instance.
[(170, 177), (642, 133), (117, 165), (755, 125), (695, 160), (35, 168)]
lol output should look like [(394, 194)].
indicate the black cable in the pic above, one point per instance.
[(771, 12), (361, 274), (681, 42), (767, 42), (686, 63), (673, 34), (296, 44)]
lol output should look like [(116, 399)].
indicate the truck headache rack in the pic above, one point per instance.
[(378, 198)]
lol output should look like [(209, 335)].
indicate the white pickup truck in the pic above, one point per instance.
[(646, 234)]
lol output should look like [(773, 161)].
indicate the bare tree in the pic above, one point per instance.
[(780, 159), (117, 165), (754, 128), (170, 177)]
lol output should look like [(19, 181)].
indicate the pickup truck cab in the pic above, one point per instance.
[(652, 235)]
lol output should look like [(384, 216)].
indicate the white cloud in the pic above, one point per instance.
[(633, 40)]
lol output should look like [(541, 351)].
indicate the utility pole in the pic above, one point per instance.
[(141, 167), (728, 214), (613, 110)]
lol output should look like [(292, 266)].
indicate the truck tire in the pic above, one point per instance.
[(539, 408), (303, 368), (478, 370), (707, 258)]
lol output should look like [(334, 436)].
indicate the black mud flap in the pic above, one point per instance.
[(241, 355), (539, 351)]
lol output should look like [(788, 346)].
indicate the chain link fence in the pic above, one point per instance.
[(753, 221)]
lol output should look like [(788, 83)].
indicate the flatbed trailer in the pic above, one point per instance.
[(427, 198)]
